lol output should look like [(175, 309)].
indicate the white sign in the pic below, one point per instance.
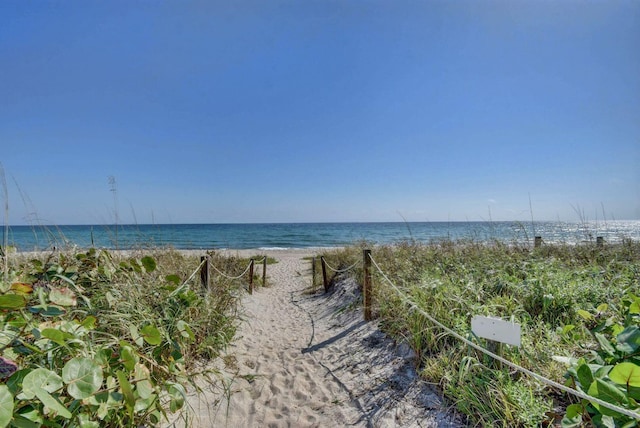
[(496, 329)]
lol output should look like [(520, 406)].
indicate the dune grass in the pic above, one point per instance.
[(557, 293)]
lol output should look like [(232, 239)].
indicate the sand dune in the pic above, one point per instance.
[(305, 359)]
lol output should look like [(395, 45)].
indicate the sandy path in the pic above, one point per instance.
[(301, 361)]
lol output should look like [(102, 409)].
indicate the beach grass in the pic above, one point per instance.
[(561, 295)]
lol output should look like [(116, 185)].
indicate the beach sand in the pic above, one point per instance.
[(305, 359)]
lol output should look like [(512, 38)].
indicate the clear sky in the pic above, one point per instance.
[(332, 110)]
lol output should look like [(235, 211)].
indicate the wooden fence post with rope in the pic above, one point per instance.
[(204, 272), (366, 288), (325, 280), (251, 277), (264, 271)]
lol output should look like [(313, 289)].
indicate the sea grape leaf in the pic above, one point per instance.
[(177, 395), (605, 345), (21, 421), (151, 335), (626, 374), (89, 322), (185, 330), (128, 356), (149, 263), (572, 417), (135, 335), (55, 335), (38, 380), (173, 278), (143, 384), (86, 422), (52, 403), (143, 404), (63, 297), (12, 301), (82, 376), (608, 392), (21, 288), (585, 376), (47, 310), (6, 406), (629, 340), (127, 390)]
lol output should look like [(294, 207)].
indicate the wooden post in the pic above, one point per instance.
[(537, 242), (204, 272), (313, 273), (366, 288), (325, 281), (251, 277), (264, 271), (599, 241)]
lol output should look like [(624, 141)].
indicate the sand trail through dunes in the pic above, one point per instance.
[(304, 359)]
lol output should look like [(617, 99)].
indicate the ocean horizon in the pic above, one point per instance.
[(305, 235)]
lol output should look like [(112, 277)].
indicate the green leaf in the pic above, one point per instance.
[(142, 378), (53, 404), (584, 314), (143, 404), (12, 301), (173, 278), (6, 406), (177, 395), (585, 376), (634, 308), (86, 422), (185, 330), (82, 376), (625, 374), (89, 322), (605, 345), (127, 390), (57, 336), (151, 335), (47, 310), (128, 356), (135, 335), (608, 392), (20, 421), (38, 380), (572, 417), (629, 340), (149, 263), (604, 421)]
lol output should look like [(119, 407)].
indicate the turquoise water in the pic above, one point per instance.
[(301, 235)]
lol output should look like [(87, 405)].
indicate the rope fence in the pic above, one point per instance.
[(206, 266), (325, 267), (368, 261)]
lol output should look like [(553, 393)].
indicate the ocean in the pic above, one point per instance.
[(302, 235)]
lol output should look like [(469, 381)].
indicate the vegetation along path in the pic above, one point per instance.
[(304, 358)]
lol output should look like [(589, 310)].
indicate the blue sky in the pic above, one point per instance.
[(350, 110)]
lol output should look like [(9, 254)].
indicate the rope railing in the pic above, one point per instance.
[(230, 277), (185, 282), (347, 269), (412, 305), (205, 267), (326, 266)]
